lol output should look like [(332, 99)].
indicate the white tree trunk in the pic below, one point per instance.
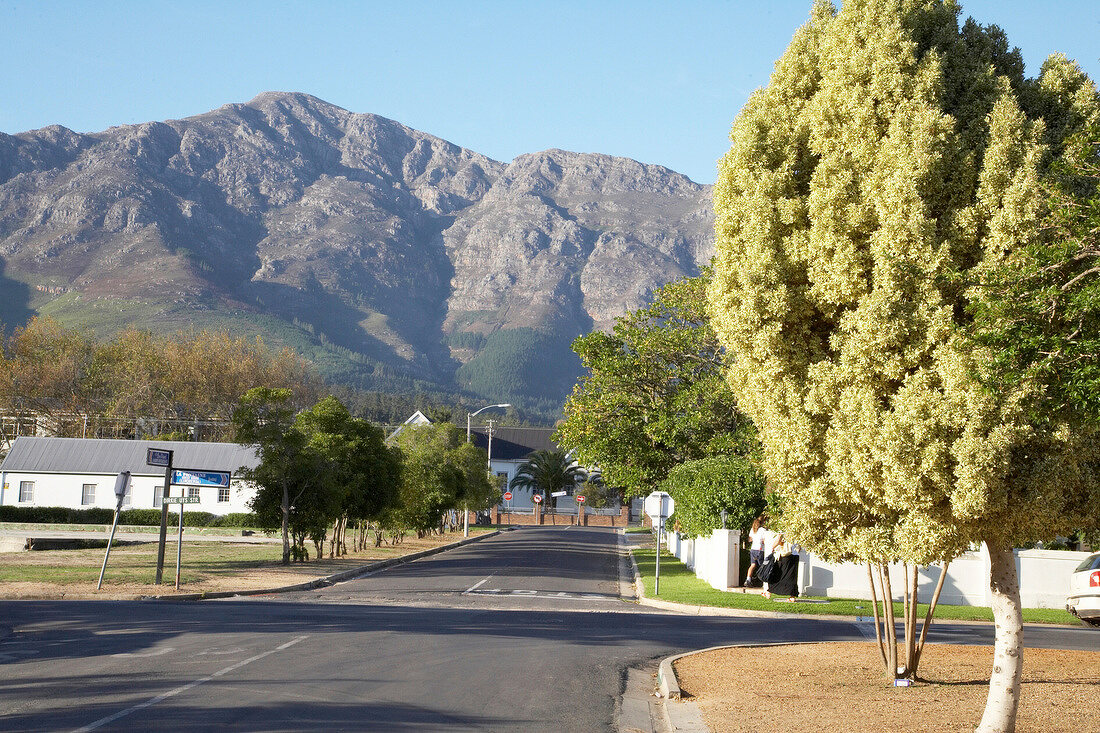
[(1008, 647)]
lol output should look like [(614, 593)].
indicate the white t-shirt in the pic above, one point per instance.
[(756, 538)]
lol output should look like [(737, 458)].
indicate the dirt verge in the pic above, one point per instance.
[(842, 687)]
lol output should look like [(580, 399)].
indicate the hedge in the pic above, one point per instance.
[(134, 517)]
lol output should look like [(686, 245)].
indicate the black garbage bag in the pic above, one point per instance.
[(784, 580)]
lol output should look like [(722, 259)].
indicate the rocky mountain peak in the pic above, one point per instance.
[(383, 252)]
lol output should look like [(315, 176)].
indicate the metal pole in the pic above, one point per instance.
[(657, 576), (107, 554), (164, 519), (465, 521), (179, 549)]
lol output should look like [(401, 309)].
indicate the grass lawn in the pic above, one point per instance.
[(679, 585), (137, 563)]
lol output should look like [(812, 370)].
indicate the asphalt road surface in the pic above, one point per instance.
[(522, 631)]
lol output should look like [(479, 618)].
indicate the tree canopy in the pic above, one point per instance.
[(654, 395), (706, 487), (894, 161), (46, 369), (441, 472)]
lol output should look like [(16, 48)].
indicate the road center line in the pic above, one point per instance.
[(476, 585), (160, 698)]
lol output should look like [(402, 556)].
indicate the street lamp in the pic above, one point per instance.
[(465, 511), (471, 414)]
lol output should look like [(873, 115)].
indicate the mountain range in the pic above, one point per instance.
[(391, 258)]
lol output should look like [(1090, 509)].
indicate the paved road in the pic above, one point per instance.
[(523, 631)]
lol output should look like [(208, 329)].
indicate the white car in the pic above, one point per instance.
[(1084, 591)]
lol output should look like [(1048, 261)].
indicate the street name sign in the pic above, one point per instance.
[(158, 457), (193, 477), (180, 500), (559, 493)]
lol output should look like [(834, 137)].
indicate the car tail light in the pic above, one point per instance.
[(1094, 579)]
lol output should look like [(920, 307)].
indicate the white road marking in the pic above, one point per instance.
[(542, 594), (171, 693), (154, 653), (476, 585)]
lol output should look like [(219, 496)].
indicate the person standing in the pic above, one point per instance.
[(757, 537)]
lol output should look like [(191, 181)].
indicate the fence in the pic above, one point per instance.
[(1043, 574)]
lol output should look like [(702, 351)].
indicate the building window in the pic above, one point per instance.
[(193, 492), (223, 495), (26, 491), (87, 497), (158, 496), (128, 497)]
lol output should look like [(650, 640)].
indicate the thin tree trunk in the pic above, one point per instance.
[(1008, 646), (874, 608), (928, 617), (286, 524), (906, 606), (888, 620)]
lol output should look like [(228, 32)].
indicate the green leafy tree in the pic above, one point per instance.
[(892, 161), (545, 472), (706, 487), (440, 472), (366, 472), (292, 476), (1039, 309), (654, 395)]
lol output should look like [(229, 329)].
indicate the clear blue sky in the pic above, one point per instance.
[(660, 82)]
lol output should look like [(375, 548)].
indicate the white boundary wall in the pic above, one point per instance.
[(1044, 574)]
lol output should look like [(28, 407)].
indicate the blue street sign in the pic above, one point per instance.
[(158, 457), (193, 477)]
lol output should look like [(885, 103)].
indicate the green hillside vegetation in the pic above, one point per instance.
[(520, 363)]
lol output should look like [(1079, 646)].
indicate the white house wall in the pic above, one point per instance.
[(66, 490)]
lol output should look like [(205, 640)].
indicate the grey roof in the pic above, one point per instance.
[(511, 444), (102, 456)]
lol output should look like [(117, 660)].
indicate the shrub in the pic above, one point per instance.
[(703, 488)]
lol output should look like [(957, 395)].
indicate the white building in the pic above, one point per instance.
[(80, 473), (510, 448)]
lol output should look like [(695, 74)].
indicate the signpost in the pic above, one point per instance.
[(659, 506), (580, 499), (122, 482), (507, 495), (181, 500), (537, 498), (179, 477), (160, 457)]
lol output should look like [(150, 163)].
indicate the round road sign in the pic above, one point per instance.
[(580, 499), (507, 495), (537, 498)]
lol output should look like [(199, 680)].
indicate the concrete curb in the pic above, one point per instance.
[(330, 579)]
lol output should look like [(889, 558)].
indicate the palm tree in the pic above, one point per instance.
[(547, 471)]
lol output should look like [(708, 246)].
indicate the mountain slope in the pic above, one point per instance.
[(385, 254)]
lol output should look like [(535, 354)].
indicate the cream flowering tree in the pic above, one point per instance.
[(893, 160)]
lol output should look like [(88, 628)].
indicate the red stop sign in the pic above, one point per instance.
[(580, 499), (507, 495)]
